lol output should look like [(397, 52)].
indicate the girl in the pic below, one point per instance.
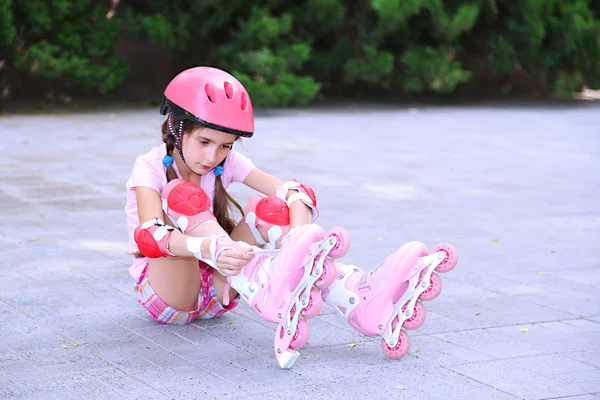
[(193, 260)]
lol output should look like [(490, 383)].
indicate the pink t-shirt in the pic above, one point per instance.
[(149, 171)]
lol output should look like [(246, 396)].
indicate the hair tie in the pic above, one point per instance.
[(218, 170), (168, 160)]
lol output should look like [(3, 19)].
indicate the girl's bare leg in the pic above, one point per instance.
[(177, 280)]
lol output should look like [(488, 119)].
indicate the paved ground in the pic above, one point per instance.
[(515, 189)]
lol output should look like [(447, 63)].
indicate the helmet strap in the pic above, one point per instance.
[(177, 134)]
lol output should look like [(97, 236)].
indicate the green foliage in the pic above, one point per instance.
[(8, 29), (287, 52), (68, 39), (432, 70), (554, 42), (254, 41), (372, 66)]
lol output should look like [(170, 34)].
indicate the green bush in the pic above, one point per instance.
[(253, 42), (287, 52), (554, 42), (70, 40)]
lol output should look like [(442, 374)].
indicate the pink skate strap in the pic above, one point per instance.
[(226, 298), (152, 238), (186, 204), (304, 193)]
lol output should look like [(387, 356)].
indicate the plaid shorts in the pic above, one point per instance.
[(208, 303)]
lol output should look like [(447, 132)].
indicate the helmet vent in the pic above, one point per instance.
[(211, 93), (228, 90), (244, 101)]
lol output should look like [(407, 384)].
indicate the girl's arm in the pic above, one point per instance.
[(149, 207), (230, 260), (300, 213)]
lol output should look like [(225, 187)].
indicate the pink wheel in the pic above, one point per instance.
[(301, 336), (315, 302), (398, 351), (328, 275), (451, 257), (343, 242), (434, 289), (419, 315)]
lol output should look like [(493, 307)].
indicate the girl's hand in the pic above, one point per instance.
[(232, 260)]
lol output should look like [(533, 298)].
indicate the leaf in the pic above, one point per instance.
[(352, 345), (495, 240), (541, 273), (524, 330), (446, 340), (64, 346), (399, 387), (477, 313), (75, 344), (230, 323)]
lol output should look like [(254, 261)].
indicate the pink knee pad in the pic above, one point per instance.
[(270, 213), (186, 204)]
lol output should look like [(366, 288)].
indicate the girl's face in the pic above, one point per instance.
[(205, 148)]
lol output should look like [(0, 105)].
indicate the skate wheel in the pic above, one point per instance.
[(418, 317), (451, 257), (398, 351), (328, 276), (434, 289), (301, 336), (343, 242), (315, 303)]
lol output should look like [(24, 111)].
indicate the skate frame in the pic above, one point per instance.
[(284, 354), (430, 262)]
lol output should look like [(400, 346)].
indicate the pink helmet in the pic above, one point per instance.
[(212, 98)]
